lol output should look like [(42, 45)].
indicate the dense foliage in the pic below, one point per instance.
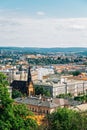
[(41, 90), (48, 61), (82, 98), (64, 95), (75, 73), (13, 116), (16, 94), (66, 119)]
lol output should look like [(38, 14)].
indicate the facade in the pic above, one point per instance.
[(25, 87), (42, 105), (44, 72), (73, 87)]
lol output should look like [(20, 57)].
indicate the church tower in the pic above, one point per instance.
[(30, 87), (20, 70)]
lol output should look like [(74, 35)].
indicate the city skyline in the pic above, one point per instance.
[(45, 23)]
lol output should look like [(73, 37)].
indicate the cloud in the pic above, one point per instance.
[(40, 13), (46, 32)]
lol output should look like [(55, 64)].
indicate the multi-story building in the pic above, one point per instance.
[(42, 105), (73, 87)]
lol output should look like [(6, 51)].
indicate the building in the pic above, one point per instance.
[(37, 104), (44, 71), (42, 105), (25, 87), (56, 88)]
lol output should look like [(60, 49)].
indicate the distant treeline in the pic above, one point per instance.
[(45, 50)]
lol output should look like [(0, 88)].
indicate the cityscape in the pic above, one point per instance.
[(43, 65)]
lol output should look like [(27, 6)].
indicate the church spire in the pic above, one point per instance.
[(29, 76), (30, 86)]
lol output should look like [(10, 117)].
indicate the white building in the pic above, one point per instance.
[(73, 87), (44, 71)]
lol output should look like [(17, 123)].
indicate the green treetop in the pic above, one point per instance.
[(13, 116)]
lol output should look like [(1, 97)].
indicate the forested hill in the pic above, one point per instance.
[(44, 50)]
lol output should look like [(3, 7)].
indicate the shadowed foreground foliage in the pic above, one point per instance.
[(66, 119), (13, 116)]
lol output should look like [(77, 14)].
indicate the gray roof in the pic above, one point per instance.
[(55, 102)]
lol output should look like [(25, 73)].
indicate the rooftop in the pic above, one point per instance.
[(42, 102)]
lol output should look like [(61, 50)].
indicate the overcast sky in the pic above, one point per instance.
[(43, 23)]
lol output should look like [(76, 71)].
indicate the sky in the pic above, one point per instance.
[(43, 23)]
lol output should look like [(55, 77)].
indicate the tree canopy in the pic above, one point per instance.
[(75, 73), (16, 93), (41, 90), (13, 116), (66, 119)]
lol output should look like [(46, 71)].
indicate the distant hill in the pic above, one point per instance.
[(44, 50)]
